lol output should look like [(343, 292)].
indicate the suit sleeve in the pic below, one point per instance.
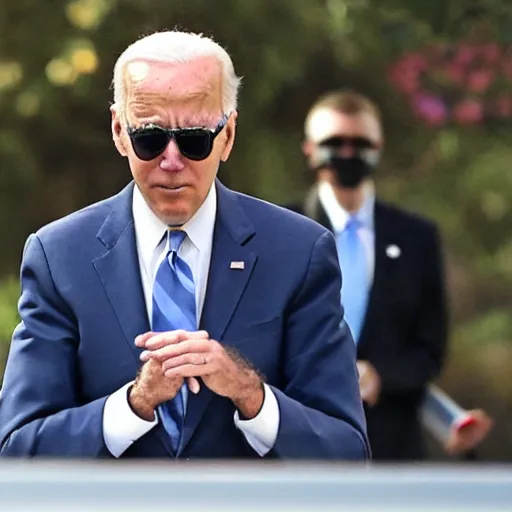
[(321, 414), (41, 412), (423, 356)]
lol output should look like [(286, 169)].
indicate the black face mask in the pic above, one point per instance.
[(349, 172)]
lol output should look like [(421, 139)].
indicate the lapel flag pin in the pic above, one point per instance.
[(393, 251), (237, 265)]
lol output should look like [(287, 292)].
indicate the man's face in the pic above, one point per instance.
[(349, 133), (184, 95)]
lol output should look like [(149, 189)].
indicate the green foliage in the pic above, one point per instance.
[(9, 293), (495, 325)]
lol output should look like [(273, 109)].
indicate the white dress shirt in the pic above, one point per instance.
[(121, 427), (339, 217)]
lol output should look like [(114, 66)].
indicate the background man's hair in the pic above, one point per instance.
[(345, 101)]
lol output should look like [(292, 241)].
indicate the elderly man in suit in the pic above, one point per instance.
[(393, 283), (178, 318)]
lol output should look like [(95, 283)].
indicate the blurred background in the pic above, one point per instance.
[(440, 69)]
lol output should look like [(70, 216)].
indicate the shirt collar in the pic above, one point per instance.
[(337, 215), (200, 227), (150, 230)]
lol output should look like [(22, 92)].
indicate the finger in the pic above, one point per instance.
[(161, 339), (141, 339), (183, 359), (365, 393), (363, 381), (452, 445), (193, 385), (172, 337), (363, 387), (362, 371), (184, 347), (199, 335), (189, 370)]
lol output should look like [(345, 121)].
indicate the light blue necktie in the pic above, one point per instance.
[(174, 307), (354, 290)]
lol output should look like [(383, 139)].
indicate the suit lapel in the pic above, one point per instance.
[(225, 287), (119, 272)]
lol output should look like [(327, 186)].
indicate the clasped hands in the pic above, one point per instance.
[(174, 357)]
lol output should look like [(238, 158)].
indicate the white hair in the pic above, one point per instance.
[(175, 47)]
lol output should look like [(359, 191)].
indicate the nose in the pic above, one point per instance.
[(172, 159), (347, 150)]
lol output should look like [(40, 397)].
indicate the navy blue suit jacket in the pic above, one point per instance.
[(82, 305)]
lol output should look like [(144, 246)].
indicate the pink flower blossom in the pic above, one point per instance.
[(435, 76), (480, 80), (466, 53), (405, 80), (468, 111), (429, 108), (455, 73), (415, 61)]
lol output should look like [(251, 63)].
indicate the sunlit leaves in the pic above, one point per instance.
[(61, 72), (448, 144), (78, 58), (84, 60), (494, 204), (11, 74), (28, 104), (88, 14)]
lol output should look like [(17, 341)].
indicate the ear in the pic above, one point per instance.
[(310, 151), (117, 132), (230, 131), (307, 148)]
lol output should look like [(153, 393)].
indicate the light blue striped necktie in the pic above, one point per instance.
[(354, 289), (174, 307)]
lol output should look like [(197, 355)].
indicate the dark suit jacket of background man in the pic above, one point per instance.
[(405, 330), (82, 306)]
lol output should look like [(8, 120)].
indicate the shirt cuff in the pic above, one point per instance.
[(121, 426), (261, 431)]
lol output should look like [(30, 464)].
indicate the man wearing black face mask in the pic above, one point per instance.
[(393, 283)]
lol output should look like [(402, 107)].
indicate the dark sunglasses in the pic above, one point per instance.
[(194, 143), (339, 142)]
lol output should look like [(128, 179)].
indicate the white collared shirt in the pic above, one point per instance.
[(121, 427), (339, 217), (196, 248)]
